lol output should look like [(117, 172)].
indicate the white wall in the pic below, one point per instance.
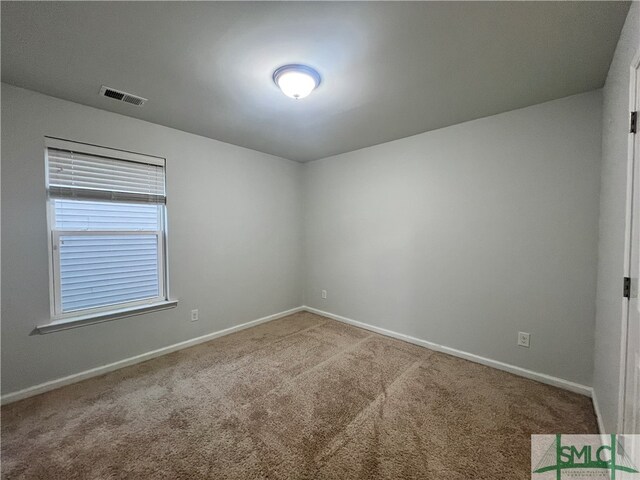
[(466, 235), (613, 207), (234, 238)]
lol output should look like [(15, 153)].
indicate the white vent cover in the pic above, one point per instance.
[(122, 96)]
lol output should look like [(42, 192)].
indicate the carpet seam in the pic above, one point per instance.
[(359, 417), (237, 410), (290, 381), (269, 344)]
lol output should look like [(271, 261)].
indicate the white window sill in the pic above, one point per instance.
[(81, 320)]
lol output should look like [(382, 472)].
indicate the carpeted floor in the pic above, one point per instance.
[(303, 397)]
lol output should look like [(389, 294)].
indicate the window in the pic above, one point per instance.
[(106, 211)]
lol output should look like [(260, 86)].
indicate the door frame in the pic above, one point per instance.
[(633, 167)]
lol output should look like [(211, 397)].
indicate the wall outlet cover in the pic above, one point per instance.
[(524, 339), (194, 315)]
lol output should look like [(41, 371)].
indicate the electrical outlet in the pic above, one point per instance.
[(523, 339), (324, 294), (194, 315)]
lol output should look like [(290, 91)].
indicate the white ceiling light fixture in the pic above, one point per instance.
[(296, 81)]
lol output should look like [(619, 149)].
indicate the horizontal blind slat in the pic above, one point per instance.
[(107, 291), (92, 280), (103, 260), (86, 275), (102, 195), (106, 268), (85, 183)]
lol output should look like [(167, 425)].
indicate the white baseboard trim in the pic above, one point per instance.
[(523, 372), (596, 409), (94, 372)]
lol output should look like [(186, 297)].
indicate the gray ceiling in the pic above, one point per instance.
[(389, 70)]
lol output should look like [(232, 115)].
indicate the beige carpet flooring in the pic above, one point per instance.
[(303, 397)]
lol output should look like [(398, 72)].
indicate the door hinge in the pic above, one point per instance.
[(626, 289), (634, 122)]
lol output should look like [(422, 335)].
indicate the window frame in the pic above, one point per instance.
[(61, 320)]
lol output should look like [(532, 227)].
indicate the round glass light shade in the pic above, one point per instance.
[(296, 81)]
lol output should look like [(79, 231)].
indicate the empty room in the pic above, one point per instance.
[(320, 240)]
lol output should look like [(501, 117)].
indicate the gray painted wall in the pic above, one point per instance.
[(466, 235), (461, 236), (234, 238), (613, 198)]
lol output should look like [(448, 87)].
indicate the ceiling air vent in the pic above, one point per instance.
[(122, 96)]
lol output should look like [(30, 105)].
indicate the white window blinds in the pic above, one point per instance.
[(72, 172)]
